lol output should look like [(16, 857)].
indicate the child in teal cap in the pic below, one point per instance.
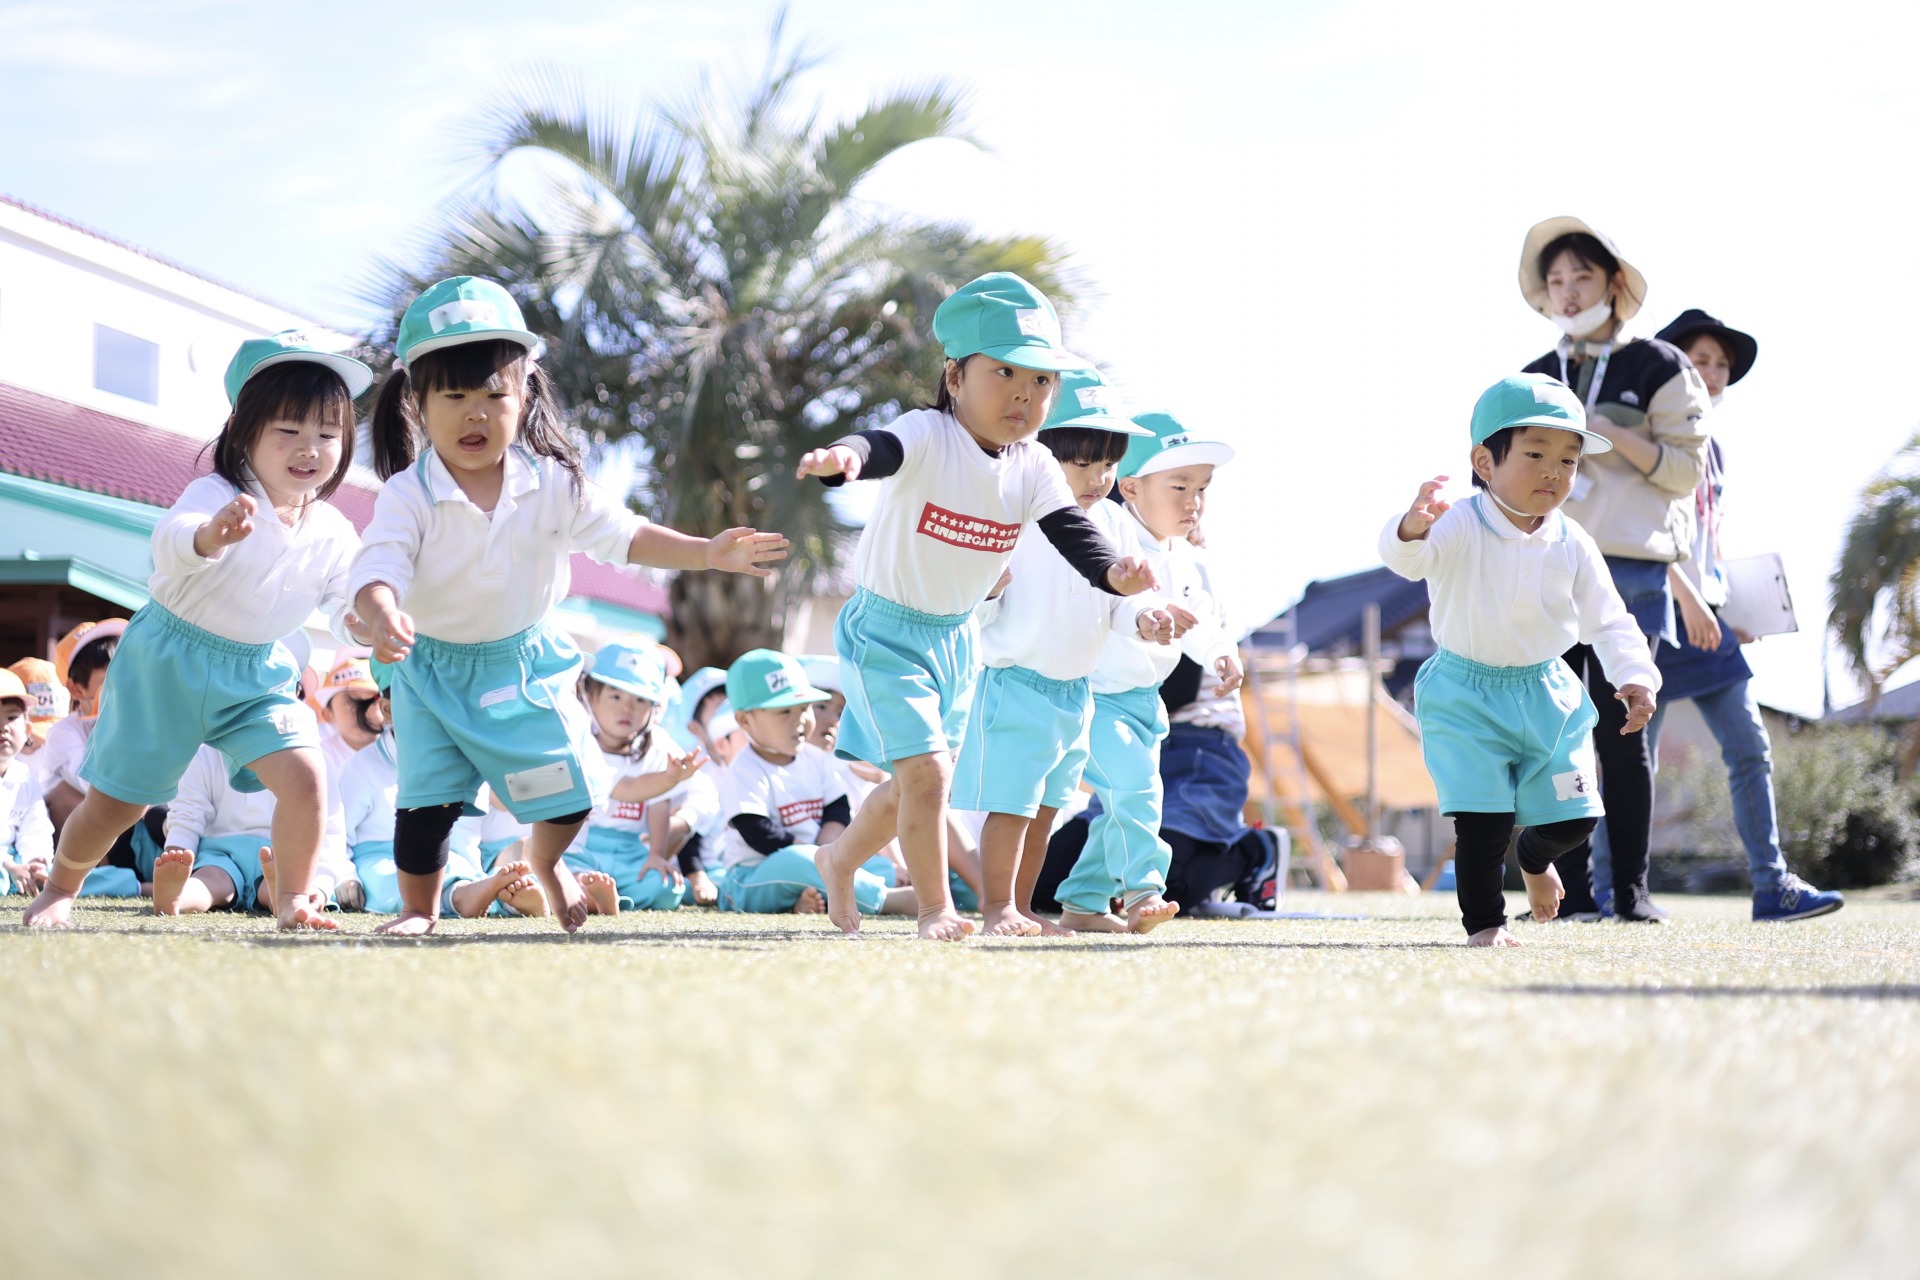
[(1506, 728), (240, 561), (466, 556), (962, 480), (1164, 477), (783, 795)]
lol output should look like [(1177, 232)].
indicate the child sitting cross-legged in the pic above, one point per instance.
[(783, 797), (1505, 726)]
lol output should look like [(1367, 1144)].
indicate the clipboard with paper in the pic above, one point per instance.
[(1758, 602)]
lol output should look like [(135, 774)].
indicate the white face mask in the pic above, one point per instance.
[(1715, 398), (1585, 321)]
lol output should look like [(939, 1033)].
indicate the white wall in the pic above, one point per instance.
[(56, 283)]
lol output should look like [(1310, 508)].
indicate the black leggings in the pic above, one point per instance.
[(1626, 788), (1480, 860), (420, 836)]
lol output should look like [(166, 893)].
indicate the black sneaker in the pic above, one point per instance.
[(1637, 906)]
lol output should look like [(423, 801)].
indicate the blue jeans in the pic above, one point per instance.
[(1734, 718)]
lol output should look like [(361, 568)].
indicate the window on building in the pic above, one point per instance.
[(126, 365)]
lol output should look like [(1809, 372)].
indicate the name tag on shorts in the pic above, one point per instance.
[(547, 780), (494, 697), (1571, 786)]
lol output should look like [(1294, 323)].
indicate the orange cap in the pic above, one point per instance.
[(348, 673), (85, 633), (47, 698), (11, 687)]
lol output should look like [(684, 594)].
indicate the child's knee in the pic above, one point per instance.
[(927, 777)]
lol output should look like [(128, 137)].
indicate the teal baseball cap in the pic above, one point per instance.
[(1167, 445), (1089, 401), (1002, 316), (1533, 400), (766, 680), (463, 309), (635, 669), (695, 688), (823, 671), (286, 347)]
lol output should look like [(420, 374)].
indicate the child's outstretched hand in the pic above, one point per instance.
[(1156, 625), (1183, 621), (1131, 575), (680, 768), (229, 524), (1639, 700), (1426, 508), (835, 461), (1227, 668), (392, 635), (745, 551)]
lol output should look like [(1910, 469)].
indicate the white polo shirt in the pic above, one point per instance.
[(469, 577), (263, 587), (1125, 663), (1506, 598), (26, 833), (369, 786), (1050, 619), (792, 796), (949, 519)]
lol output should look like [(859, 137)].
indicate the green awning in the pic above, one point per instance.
[(37, 571)]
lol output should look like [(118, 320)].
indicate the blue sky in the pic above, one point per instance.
[(1303, 220)]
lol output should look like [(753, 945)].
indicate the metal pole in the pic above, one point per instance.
[(1370, 650)]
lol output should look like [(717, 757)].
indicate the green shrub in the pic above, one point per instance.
[(1846, 820)]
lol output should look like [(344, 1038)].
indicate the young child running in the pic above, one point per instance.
[(1026, 743), (784, 795), (1163, 479), (241, 560), (963, 479), (1505, 726), (465, 557), (26, 833), (631, 836)]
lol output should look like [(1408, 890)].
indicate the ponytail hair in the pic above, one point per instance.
[(398, 429)]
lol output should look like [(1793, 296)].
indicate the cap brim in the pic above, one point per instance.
[(1101, 422), (356, 375), (324, 696), (1047, 359), (638, 690), (426, 346), (789, 698), (1595, 442), (1196, 453), (1533, 285), (1742, 349)]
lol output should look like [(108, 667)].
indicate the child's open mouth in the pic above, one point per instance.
[(474, 442), (303, 473)]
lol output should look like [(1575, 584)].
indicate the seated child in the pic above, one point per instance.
[(369, 787), (783, 797), (633, 836), (47, 705), (1506, 728), (81, 660), (348, 703), (26, 833)]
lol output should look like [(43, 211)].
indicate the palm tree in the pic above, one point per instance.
[(709, 283), (1875, 588)]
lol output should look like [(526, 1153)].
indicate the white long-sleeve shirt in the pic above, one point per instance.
[(263, 587), (1125, 662), (1506, 598), (468, 577), (1050, 619), (26, 833), (1212, 708), (208, 805), (369, 787)]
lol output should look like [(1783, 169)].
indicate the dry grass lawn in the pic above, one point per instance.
[(709, 1096)]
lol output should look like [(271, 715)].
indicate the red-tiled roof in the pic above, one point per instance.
[(45, 438)]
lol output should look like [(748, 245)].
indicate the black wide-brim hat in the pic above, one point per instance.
[(1740, 347)]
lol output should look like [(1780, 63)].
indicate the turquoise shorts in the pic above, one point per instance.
[(171, 687), (621, 854), (909, 680), (881, 868), (1034, 731), (1513, 740), (505, 713), (773, 884), (239, 857), (379, 878)]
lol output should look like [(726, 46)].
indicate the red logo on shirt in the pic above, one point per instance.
[(626, 810), (796, 812), (970, 532)]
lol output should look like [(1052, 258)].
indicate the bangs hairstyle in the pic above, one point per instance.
[(295, 391), (1084, 446), (1586, 250), (398, 427)]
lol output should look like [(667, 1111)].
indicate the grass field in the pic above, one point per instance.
[(707, 1095)]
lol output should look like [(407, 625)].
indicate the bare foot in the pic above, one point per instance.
[(705, 892), (473, 898), (408, 924), (1092, 922), (1000, 920), (171, 871), (842, 908), (563, 893), (946, 925), (1494, 937), (524, 896), (603, 896), (1544, 892), (1150, 912), (49, 909), (269, 890), (300, 912), (1048, 929), (811, 903)]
